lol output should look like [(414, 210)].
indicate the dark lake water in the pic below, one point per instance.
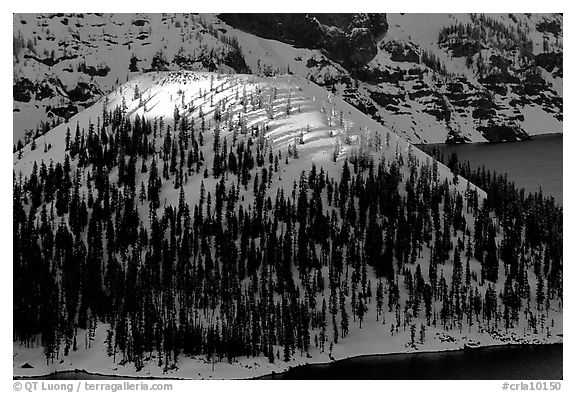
[(530, 164), (505, 362), (531, 362)]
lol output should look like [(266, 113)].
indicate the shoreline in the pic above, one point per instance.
[(532, 138), (354, 357), (290, 367)]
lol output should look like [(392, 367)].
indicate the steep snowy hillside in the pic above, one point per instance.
[(447, 77), (504, 72), (197, 225), (429, 77)]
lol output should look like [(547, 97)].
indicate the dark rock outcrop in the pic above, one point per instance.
[(549, 61), (84, 92), (50, 61), (22, 90), (349, 39), (495, 132), (65, 112), (550, 26), (401, 51), (101, 70)]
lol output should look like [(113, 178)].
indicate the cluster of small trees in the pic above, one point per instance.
[(486, 29), (433, 62)]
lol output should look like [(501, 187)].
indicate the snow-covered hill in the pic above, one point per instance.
[(431, 78), (207, 135), (320, 121)]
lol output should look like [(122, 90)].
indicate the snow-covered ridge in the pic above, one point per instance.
[(156, 95), (65, 62)]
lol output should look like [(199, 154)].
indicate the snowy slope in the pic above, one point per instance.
[(161, 92), (400, 89), (92, 55), (311, 108), (422, 31)]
